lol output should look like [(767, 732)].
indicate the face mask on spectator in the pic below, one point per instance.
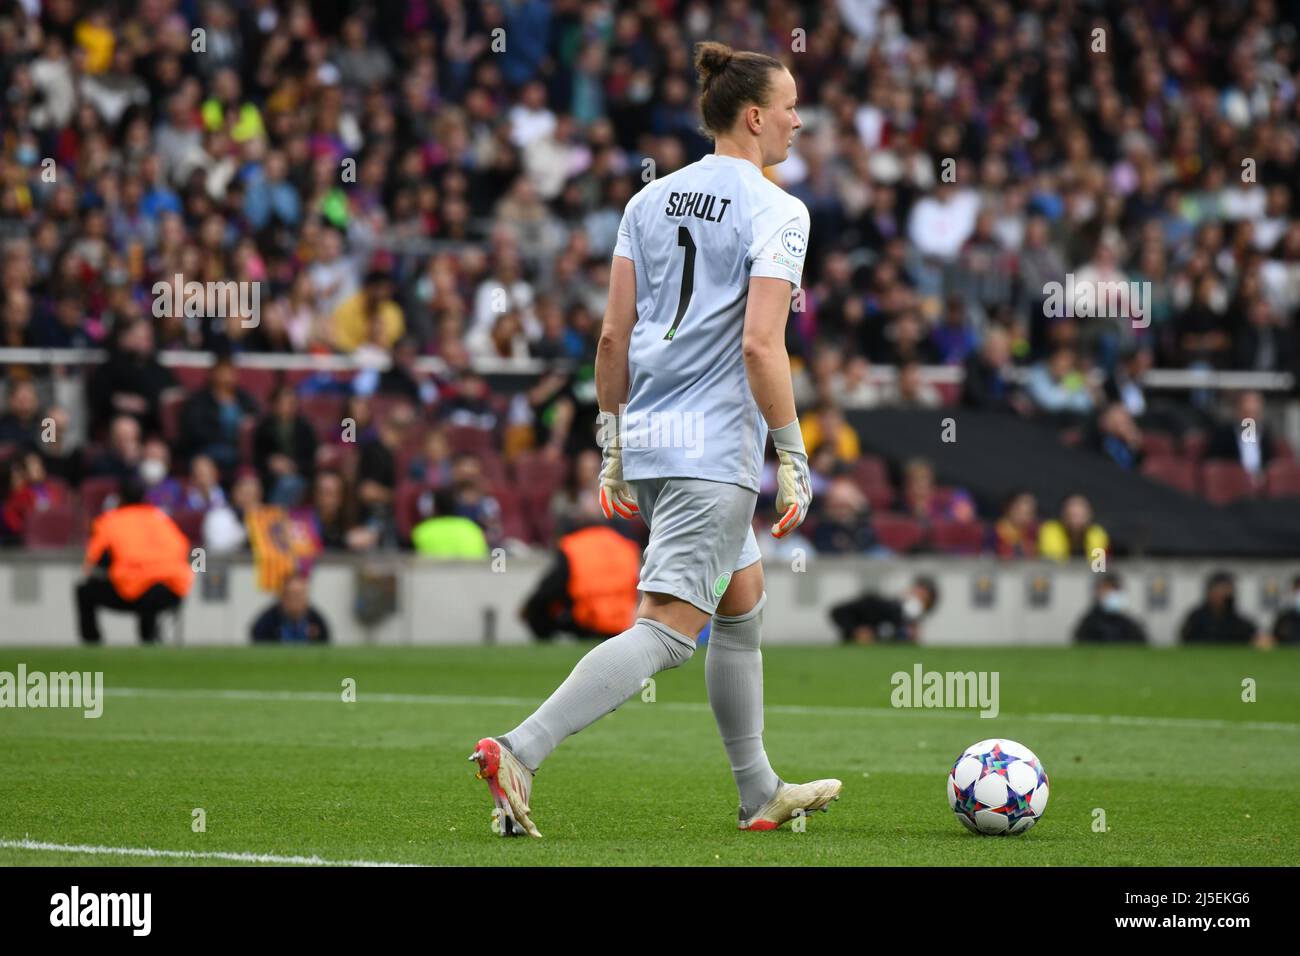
[(152, 471), (912, 607), (1114, 601)]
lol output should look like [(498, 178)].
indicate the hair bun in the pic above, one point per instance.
[(711, 59)]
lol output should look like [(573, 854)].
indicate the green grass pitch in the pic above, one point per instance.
[(260, 739)]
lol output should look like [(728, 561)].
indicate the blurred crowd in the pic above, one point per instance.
[(446, 178)]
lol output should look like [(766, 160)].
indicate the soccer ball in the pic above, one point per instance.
[(997, 788)]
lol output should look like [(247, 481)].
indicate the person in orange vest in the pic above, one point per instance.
[(590, 589), (147, 558)]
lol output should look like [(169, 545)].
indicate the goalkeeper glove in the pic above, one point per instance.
[(793, 480), (616, 495)]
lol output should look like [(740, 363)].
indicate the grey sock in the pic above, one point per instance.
[(733, 673), (609, 675)]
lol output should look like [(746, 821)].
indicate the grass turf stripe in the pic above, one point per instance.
[(814, 710)]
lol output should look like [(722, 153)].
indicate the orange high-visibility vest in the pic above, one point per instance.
[(603, 571), (144, 548)]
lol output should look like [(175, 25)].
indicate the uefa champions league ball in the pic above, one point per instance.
[(997, 788)]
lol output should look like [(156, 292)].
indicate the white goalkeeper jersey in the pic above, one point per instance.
[(696, 237)]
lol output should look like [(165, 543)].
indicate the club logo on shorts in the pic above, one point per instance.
[(720, 585), (794, 241)]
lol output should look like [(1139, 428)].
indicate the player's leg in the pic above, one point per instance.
[(662, 637), (607, 677), (673, 612), (677, 582), (733, 672)]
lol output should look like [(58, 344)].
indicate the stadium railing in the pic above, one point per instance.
[(1164, 379)]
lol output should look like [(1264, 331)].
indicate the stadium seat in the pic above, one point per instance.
[(94, 492), (541, 523), (65, 492), (169, 413), (257, 382), (406, 508), (1194, 445), (463, 438), (412, 443), (494, 466), (325, 413), (881, 497), (949, 392), (192, 378), (535, 470), (515, 526), (1225, 481), (898, 532), (54, 527), (958, 537), (1282, 479), (403, 459), (872, 478), (381, 406), (870, 470), (190, 521), (519, 520), (533, 500), (1158, 444), (341, 458), (1172, 471), (943, 496), (246, 429)]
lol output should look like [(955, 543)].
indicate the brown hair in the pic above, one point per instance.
[(728, 80)]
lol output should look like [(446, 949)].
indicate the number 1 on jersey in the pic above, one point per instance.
[(688, 278)]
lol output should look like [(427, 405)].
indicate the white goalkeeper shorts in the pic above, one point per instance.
[(700, 533)]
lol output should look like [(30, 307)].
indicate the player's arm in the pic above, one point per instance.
[(767, 366), (615, 335), (616, 496)]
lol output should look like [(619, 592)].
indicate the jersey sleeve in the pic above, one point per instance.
[(780, 241), (626, 245)]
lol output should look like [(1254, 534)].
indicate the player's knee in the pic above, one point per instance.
[(678, 647), (741, 631)]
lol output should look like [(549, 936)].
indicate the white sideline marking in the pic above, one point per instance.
[(186, 854), (1120, 720)]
